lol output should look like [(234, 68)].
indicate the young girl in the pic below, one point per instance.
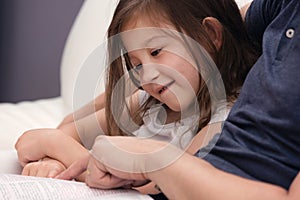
[(159, 45)]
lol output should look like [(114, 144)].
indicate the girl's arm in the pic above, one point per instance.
[(88, 117), (86, 129), (46, 152), (36, 144), (63, 144), (97, 104), (89, 124)]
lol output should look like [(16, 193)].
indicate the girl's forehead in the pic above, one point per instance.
[(139, 20), (144, 33), (146, 37)]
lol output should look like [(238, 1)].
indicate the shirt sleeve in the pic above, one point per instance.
[(259, 15)]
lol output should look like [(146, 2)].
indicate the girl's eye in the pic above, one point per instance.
[(155, 52), (138, 67)]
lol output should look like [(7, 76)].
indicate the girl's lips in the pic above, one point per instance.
[(164, 88), (161, 90)]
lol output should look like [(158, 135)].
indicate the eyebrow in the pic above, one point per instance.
[(146, 43), (154, 38)]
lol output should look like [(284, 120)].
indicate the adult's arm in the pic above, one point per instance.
[(186, 177), (193, 178)]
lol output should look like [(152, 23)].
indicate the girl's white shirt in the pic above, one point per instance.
[(179, 133)]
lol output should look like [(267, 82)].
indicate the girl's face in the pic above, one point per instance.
[(161, 63)]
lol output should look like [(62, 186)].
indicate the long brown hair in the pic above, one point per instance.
[(234, 59)]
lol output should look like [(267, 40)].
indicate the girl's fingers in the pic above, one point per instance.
[(41, 173), (25, 171), (52, 173)]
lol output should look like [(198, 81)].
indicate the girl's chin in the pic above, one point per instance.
[(174, 108), (184, 109)]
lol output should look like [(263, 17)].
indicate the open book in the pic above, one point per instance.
[(27, 188)]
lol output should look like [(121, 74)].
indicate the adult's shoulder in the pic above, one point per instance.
[(261, 13)]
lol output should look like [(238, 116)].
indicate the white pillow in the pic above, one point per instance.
[(88, 32)]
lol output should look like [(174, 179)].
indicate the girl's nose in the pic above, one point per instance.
[(149, 73)]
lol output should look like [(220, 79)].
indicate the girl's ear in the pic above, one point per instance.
[(214, 30)]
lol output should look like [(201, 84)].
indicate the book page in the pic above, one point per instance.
[(19, 187)]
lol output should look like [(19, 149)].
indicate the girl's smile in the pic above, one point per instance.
[(160, 88), (161, 64), (165, 87)]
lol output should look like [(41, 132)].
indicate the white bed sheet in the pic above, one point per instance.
[(15, 119)]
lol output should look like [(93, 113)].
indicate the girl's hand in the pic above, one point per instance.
[(96, 175), (122, 162), (46, 167), (34, 145)]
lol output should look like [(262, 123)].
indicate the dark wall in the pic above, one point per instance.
[(32, 38)]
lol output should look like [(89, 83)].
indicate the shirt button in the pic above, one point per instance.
[(290, 33)]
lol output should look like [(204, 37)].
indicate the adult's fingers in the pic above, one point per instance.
[(75, 169)]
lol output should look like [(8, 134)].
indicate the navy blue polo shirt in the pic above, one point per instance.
[(260, 139)]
